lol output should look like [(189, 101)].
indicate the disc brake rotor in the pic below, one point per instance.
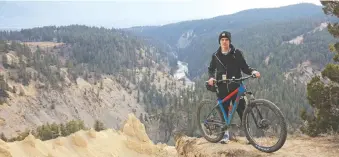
[(264, 123)]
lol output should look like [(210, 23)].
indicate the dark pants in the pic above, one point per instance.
[(223, 93)]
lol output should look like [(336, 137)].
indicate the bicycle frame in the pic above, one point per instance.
[(228, 118), (239, 91)]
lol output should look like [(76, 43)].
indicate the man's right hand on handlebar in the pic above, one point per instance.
[(210, 81)]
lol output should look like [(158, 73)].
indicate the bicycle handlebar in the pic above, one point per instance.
[(233, 79)]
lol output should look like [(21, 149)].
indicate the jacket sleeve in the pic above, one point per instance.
[(211, 68), (244, 66)]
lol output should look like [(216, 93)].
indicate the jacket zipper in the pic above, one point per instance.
[(225, 70)]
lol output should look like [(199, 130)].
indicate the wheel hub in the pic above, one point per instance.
[(264, 123)]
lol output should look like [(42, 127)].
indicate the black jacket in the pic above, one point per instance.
[(234, 62)]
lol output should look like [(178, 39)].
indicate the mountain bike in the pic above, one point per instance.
[(255, 108)]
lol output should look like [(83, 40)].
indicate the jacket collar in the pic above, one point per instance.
[(231, 51)]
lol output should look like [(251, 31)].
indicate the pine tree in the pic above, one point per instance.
[(98, 125), (138, 96), (322, 96), (63, 130), (3, 137)]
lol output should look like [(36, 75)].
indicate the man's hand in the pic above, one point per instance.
[(256, 73), (210, 81)]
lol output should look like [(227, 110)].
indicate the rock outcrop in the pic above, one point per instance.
[(131, 141), (303, 73), (192, 147)]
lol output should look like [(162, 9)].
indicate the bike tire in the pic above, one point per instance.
[(282, 124), (219, 136)]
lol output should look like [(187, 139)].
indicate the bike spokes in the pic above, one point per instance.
[(264, 126), (211, 122)]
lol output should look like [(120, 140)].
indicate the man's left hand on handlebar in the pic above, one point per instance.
[(256, 74)]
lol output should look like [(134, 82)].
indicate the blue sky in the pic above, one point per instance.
[(125, 13)]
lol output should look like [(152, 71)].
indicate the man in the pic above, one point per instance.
[(229, 62)]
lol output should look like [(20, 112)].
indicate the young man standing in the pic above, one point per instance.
[(230, 62)]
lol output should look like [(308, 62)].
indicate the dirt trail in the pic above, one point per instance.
[(294, 147)]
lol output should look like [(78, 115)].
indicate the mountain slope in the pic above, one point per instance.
[(252, 30), (56, 74), (234, 22)]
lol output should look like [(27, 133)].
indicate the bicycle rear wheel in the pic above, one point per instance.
[(255, 131), (208, 126)]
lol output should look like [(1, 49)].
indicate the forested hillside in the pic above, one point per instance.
[(88, 52), (56, 58), (234, 22)]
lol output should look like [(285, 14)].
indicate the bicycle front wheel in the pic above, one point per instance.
[(263, 118)]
